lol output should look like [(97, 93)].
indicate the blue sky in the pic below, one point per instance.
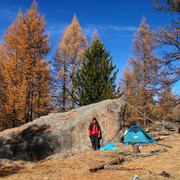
[(115, 20)]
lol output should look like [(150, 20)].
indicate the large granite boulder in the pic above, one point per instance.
[(63, 132)]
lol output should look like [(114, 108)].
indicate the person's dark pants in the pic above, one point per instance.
[(95, 142)]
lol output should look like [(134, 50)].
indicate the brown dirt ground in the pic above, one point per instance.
[(76, 167)]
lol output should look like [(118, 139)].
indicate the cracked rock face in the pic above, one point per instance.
[(63, 132)]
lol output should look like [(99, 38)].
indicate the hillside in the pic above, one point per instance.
[(76, 166)]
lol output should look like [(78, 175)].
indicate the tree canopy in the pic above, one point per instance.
[(95, 81), (68, 58), (25, 75)]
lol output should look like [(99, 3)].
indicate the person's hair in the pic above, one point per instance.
[(94, 119)]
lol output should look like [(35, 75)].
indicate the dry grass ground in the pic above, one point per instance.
[(77, 166)]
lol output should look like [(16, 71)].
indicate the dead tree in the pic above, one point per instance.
[(101, 166), (116, 167)]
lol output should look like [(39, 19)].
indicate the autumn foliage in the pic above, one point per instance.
[(68, 59), (147, 81), (81, 74), (25, 75)]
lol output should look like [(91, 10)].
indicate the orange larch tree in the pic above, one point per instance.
[(36, 47), (165, 108), (129, 86), (26, 74), (143, 72), (70, 55), (62, 65), (11, 72)]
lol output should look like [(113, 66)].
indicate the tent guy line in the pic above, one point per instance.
[(151, 120)]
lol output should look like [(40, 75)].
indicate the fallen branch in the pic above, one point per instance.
[(152, 153), (158, 151), (163, 134), (116, 167), (164, 145), (125, 153), (131, 159), (116, 161), (119, 161), (146, 154)]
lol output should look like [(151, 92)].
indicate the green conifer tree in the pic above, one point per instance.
[(94, 82)]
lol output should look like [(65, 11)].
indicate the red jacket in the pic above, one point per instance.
[(94, 129)]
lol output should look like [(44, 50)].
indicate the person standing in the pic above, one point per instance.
[(95, 134)]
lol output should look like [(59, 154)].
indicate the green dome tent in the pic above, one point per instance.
[(137, 135)]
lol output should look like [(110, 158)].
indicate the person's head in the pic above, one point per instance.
[(94, 119)]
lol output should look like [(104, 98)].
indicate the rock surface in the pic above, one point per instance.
[(63, 133)]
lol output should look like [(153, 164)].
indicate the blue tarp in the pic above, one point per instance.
[(109, 147), (137, 135)]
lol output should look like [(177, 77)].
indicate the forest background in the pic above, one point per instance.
[(38, 77)]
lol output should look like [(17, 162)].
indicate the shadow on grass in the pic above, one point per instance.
[(6, 171)]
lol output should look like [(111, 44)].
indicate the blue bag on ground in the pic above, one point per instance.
[(109, 147)]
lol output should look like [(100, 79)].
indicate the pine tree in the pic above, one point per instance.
[(95, 81), (70, 56)]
